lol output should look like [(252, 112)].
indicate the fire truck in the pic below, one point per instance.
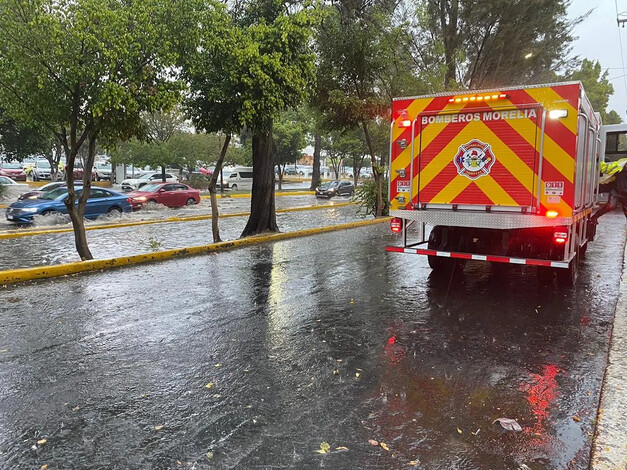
[(506, 175)]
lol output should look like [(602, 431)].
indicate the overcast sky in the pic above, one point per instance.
[(599, 38)]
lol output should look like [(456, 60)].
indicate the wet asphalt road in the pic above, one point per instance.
[(253, 358)]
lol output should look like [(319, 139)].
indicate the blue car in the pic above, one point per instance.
[(101, 202)]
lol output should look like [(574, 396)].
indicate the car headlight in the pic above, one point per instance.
[(139, 199), (31, 210)]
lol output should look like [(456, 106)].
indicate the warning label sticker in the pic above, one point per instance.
[(553, 188), (402, 186)]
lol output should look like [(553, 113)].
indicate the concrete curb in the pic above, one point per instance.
[(609, 450), (43, 272), (248, 195), (29, 233)]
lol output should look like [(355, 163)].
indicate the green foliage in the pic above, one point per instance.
[(18, 141), (366, 197), (290, 137), (598, 88)]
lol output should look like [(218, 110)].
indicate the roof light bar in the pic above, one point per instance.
[(465, 99)]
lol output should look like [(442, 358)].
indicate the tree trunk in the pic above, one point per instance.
[(163, 173), (262, 211), (281, 173), (315, 177), (378, 177), (215, 229)]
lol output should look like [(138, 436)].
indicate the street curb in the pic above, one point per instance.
[(44, 272), (248, 195), (609, 449), (30, 233)]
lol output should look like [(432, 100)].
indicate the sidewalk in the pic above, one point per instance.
[(609, 451)]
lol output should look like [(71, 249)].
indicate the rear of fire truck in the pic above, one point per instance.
[(505, 176)]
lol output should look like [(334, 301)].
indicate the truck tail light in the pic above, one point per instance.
[(551, 214), (396, 224), (404, 123), (560, 237)]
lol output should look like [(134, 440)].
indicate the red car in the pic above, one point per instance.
[(13, 171), (168, 194)]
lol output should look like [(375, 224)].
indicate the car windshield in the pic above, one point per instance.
[(54, 194), (43, 164), (149, 188), (145, 176), (12, 166), (103, 166), (333, 184), (51, 186)]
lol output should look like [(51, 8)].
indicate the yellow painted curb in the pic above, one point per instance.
[(247, 195), (43, 272), (29, 233), (3, 206)]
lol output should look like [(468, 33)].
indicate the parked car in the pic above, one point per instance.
[(13, 170), (34, 194), (290, 170), (10, 188), (79, 171), (41, 170), (133, 184), (335, 188), (101, 202), (168, 194), (239, 178)]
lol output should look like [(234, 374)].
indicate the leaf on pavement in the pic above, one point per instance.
[(373, 442), (209, 455), (460, 431), (209, 385), (159, 427), (385, 446), (341, 448), (324, 448), (44, 467), (576, 418), (41, 442), (509, 424)]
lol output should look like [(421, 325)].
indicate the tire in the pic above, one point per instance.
[(439, 264), (114, 211), (191, 202), (48, 213), (35, 178), (567, 277), (234, 187)]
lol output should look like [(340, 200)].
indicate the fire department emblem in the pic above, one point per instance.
[(474, 159)]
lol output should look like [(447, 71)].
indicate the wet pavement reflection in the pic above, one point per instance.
[(256, 357)]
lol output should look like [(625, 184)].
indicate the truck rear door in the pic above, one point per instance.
[(478, 156)]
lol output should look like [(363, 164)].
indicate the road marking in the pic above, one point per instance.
[(44, 272), (29, 233)]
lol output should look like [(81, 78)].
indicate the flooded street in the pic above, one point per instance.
[(318, 352)]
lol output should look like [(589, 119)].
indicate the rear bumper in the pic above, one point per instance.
[(471, 256)]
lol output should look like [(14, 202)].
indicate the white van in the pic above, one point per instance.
[(241, 177)]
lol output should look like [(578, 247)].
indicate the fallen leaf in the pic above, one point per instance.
[(178, 462), (413, 463), (341, 448), (336, 372), (385, 446), (460, 431), (209, 455), (476, 432), (218, 365), (576, 418), (159, 427), (41, 442), (4, 350), (209, 385), (509, 424), (357, 374), (373, 442), (324, 448), (76, 408), (44, 467)]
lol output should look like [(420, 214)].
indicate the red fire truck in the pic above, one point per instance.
[(508, 175)]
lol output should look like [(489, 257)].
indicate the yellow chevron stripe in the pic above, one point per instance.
[(550, 99), (451, 190), (495, 192)]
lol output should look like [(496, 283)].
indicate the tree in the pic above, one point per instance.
[(243, 71), (86, 70), (290, 138), (491, 43), (358, 47), (598, 88), (158, 129)]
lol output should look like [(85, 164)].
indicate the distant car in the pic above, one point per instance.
[(13, 171), (101, 202), (34, 194), (79, 171), (133, 184), (41, 170), (335, 188), (290, 170), (11, 189), (168, 194)]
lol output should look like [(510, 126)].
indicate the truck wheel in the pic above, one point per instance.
[(567, 277)]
